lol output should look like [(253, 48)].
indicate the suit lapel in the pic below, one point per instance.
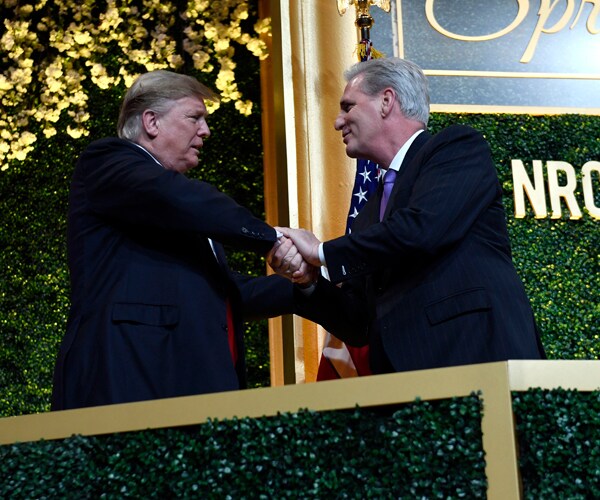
[(408, 166)]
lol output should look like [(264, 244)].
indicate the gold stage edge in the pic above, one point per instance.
[(494, 381)]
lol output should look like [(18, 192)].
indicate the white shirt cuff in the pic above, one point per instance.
[(307, 291), (322, 255)]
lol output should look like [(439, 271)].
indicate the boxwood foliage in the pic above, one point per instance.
[(418, 450), (558, 434), (558, 260)]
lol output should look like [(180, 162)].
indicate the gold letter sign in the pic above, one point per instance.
[(520, 56)]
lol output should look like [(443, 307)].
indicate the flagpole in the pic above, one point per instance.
[(364, 22)]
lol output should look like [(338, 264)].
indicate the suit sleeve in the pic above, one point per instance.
[(131, 188), (456, 182), (340, 310), (264, 296)]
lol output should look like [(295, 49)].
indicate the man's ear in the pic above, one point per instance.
[(387, 101), (150, 123)]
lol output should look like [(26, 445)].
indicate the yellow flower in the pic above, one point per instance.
[(82, 38), (25, 10), (244, 107), (210, 32), (263, 26), (136, 36), (7, 41), (76, 133), (4, 83), (221, 45), (258, 48), (27, 138), (54, 71), (212, 106), (129, 79), (49, 132), (20, 154)]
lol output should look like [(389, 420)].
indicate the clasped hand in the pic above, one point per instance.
[(295, 256)]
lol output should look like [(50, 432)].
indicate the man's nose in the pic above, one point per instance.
[(339, 122), (203, 130)]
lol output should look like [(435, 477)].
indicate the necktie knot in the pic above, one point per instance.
[(388, 184), (389, 178)]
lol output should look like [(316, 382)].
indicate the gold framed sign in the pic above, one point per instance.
[(514, 56)]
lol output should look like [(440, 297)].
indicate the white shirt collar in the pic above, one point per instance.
[(399, 158), (144, 149)]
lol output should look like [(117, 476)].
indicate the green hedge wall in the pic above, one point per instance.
[(558, 434), (558, 260), (419, 450)]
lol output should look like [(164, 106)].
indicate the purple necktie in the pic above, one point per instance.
[(388, 184)]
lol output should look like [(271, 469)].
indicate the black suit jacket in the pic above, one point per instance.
[(433, 284), (148, 295)]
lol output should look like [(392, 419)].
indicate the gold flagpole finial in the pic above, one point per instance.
[(364, 21)]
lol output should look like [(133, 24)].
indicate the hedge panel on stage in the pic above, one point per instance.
[(423, 449)]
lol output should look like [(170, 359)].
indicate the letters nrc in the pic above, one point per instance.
[(562, 185)]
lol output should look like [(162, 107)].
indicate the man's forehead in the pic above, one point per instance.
[(191, 102), (351, 90)]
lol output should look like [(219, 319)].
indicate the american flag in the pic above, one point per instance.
[(339, 360), (365, 184)]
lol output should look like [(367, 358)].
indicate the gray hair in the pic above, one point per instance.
[(156, 90), (405, 77)]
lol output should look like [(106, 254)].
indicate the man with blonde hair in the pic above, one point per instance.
[(155, 310)]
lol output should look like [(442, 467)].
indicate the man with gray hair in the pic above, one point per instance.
[(155, 310), (426, 275)]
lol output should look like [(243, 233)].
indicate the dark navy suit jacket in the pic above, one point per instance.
[(148, 295), (433, 284)]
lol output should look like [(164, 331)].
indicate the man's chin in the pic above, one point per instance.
[(350, 153), (192, 163)]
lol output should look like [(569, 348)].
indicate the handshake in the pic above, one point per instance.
[(295, 256)]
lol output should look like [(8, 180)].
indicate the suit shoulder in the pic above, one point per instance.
[(111, 150), (458, 136), (110, 144), (458, 130)]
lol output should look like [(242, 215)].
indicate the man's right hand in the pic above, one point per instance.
[(285, 259)]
